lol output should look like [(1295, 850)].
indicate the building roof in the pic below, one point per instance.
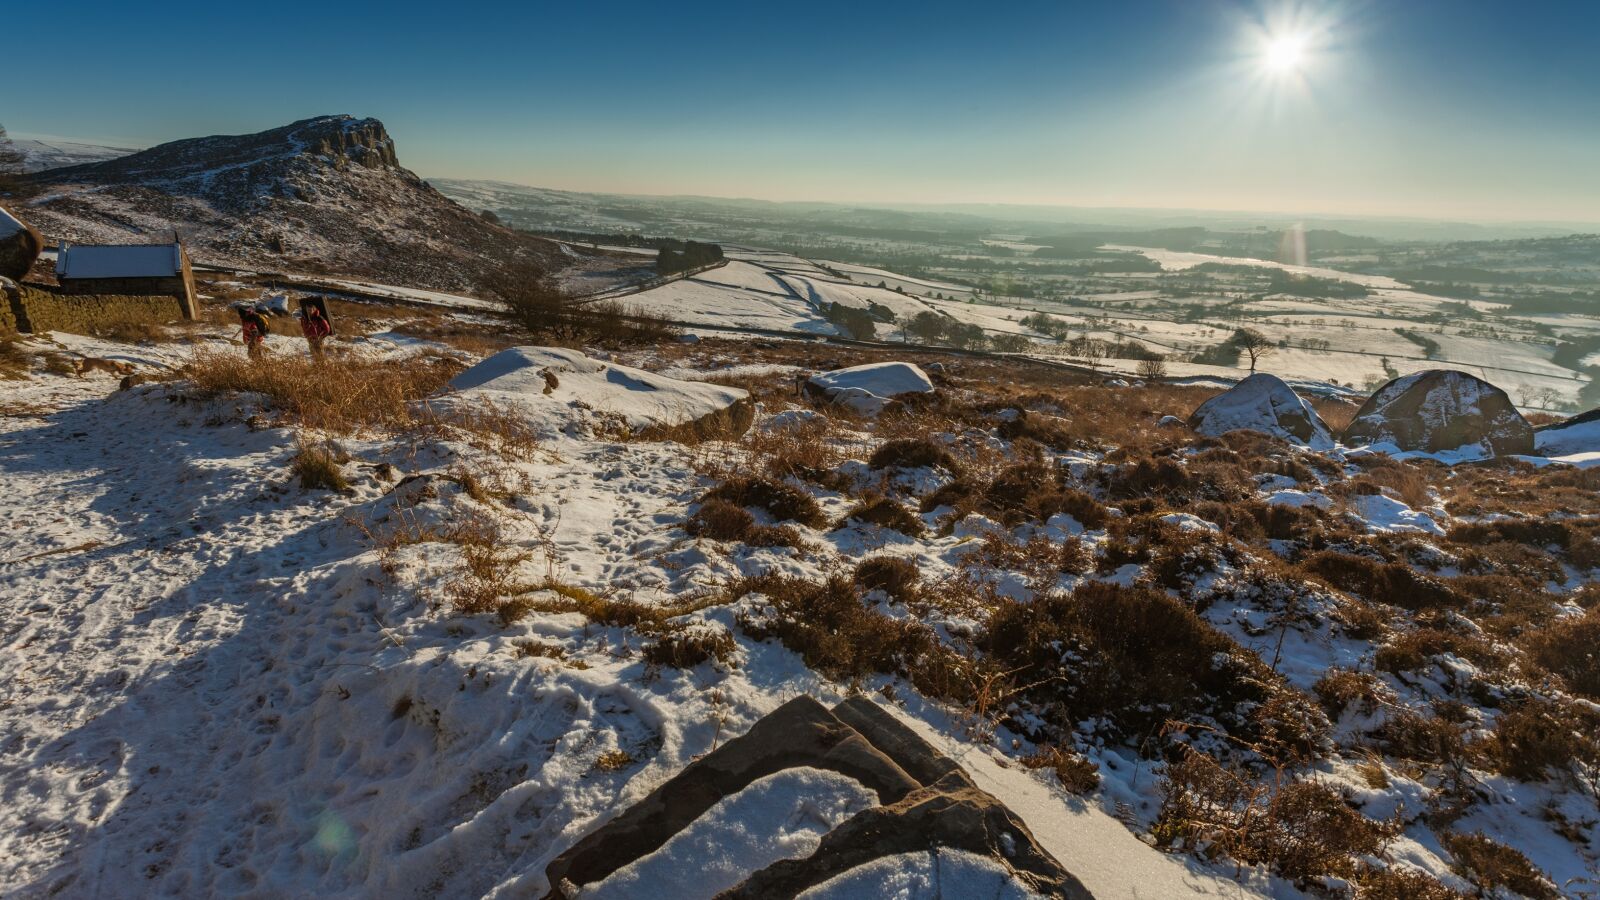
[(119, 261)]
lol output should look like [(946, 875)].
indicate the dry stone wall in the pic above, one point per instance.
[(34, 310)]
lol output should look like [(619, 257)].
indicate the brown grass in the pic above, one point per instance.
[(1303, 829), (692, 646), (896, 576), (1491, 865), (884, 512), (784, 502), (720, 520), (1076, 773), (1570, 648), (350, 396), (318, 467)]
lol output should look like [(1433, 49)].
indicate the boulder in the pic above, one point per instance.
[(563, 392), (1579, 434), (867, 389), (20, 245), (1266, 404), (926, 803), (1441, 410)]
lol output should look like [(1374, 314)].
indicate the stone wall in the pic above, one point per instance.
[(34, 310)]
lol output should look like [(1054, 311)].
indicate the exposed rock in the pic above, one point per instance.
[(323, 195), (20, 245), (559, 391), (867, 389), (1441, 410), (926, 802), (1579, 434), (1266, 404)]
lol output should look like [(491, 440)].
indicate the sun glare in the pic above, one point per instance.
[(1285, 53)]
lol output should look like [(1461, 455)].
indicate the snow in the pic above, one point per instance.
[(1569, 440), (560, 391), (781, 816), (1386, 515), (925, 875), (130, 261), (867, 388), (1266, 404)]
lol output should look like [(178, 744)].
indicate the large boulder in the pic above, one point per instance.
[(563, 392), (20, 245), (1266, 404), (867, 389), (1569, 437), (1441, 410)]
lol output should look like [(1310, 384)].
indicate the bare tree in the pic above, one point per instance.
[(1253, 344), (1153, 368)]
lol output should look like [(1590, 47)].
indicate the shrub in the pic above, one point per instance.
[(1570, 648), (1303, 829), (720, 520), (1412, 651), (781, 501), (1396, 584), (1089, 512), (1491, 865), (1133, 654), (959, 494), (1539, 736), (317, 467), (838, 635), (1077, 773), (1410, 735), (690, 647), (1338, 689), (914, 453), (896, 576), (885, 513)]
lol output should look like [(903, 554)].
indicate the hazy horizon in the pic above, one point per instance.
[(1456, 111)]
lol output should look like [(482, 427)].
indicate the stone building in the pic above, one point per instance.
[(147, 270)]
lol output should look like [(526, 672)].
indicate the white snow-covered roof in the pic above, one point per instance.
[(119, 261), (9, 224)]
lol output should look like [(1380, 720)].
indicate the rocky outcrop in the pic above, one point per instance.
[(321, 196), (1441, 410), (20, 245), (1266, 404), (926, 802), (867, 389)]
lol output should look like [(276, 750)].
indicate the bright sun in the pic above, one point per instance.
[(1284, 53)]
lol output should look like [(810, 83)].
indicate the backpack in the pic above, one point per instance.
[(261, 323)]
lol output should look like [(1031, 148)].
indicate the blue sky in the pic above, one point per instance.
[(1434, 108)]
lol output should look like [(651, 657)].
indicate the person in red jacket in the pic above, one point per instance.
[(314, 325), (253, 326)]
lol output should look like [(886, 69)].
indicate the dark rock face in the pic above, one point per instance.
[(927, 802), (1266, 404), (324, 195), (20, 245), (1439, 410)]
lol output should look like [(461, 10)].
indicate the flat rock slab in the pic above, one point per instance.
[(926, 803)]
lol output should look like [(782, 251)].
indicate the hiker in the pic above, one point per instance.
[(314, 325), (255, 329)]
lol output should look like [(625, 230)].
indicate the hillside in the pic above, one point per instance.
[(391, 648), (324, 195)]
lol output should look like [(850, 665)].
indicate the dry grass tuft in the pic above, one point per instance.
[(914, 453), (720, 520), (1570, 648), (692, 646), (1077, 773), (349, 396), (318, 467)]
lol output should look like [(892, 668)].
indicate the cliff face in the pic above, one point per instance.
[(324, 195)]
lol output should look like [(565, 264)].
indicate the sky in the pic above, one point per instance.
[(1459, 109)]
